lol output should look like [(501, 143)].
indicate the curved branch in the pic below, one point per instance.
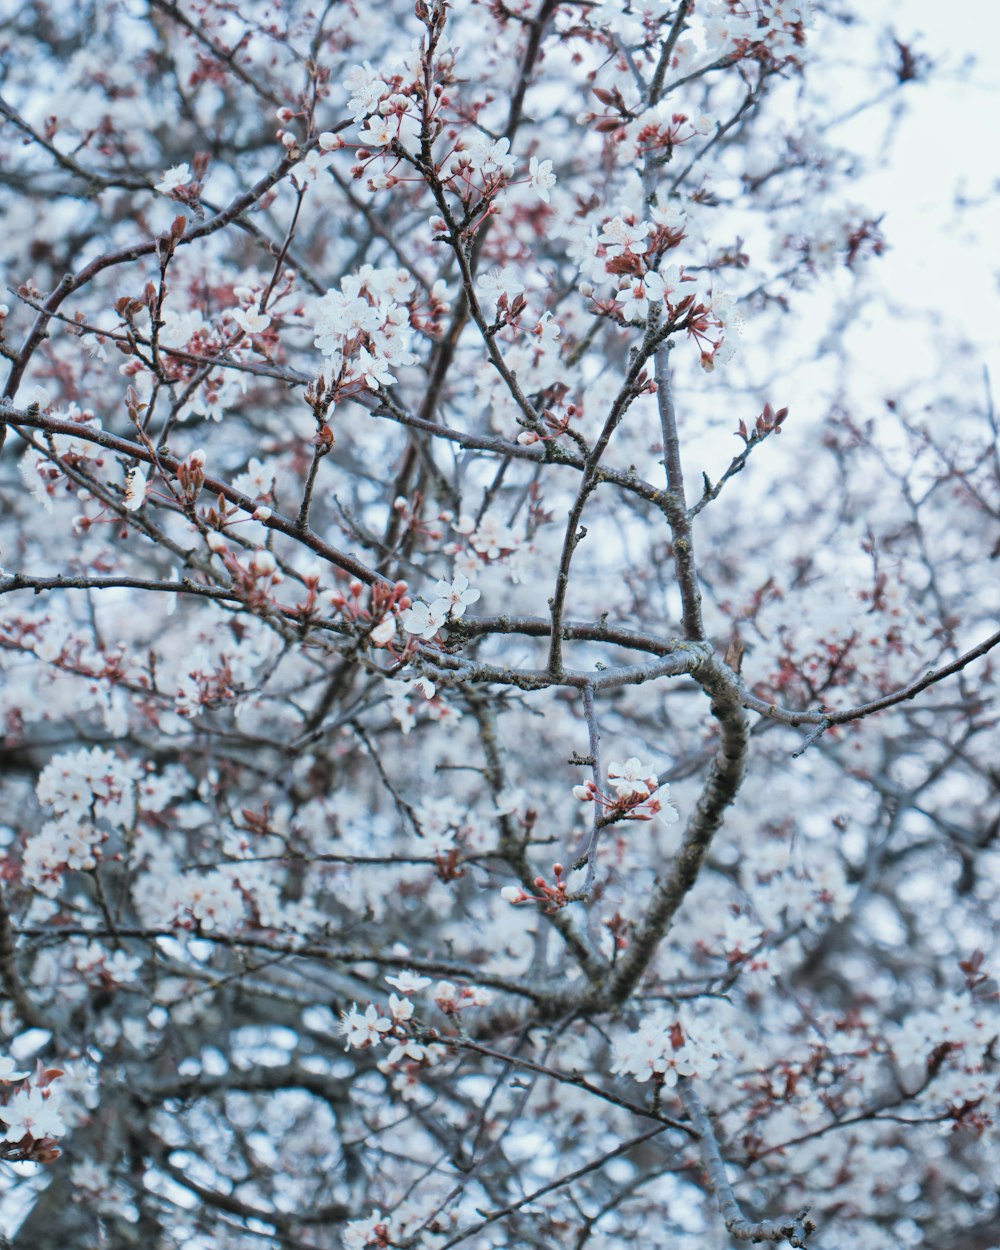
[(723, 782), (794, 1229)]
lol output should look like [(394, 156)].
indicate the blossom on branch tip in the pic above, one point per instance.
[(408, 982), (374, 370), (491, 157), (371, 1231), (636, 294), (633, 779), (363, 1029), (401, 1009), (176, 176), (384, 631), (378, 133), (367, 89)]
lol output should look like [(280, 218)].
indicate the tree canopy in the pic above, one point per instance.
[(499, 679)]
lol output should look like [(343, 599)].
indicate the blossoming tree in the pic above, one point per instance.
[(461, 787)]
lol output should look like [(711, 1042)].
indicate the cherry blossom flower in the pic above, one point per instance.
[(619, 237), (176, 176), (636, 294), (670, 215), (457, 595), (497, 282), (379, 132), (491, 156), (424, 620), (740, 936), (633, 779), (135, 488), (384, 631), (401, 1009), (374, 370), (408, 982), (406, 1049), (447, 996), (363, 1029), (541, 177), (492, 538), (366, 88), (32, 1111), (249, 320)]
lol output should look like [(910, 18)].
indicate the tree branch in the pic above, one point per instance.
[(794, 1229)]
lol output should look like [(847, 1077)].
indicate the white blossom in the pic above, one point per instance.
[(541, 177), (33, 1111), (176, 176), (135, 488)]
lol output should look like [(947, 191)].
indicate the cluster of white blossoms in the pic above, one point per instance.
[(957, 1019), (30, 1109), (363, 329), (370, 1027), (665, 1049), (83, 787), (715, 31), (418, 1221), (60, 845), (638, 793), (449, 602)]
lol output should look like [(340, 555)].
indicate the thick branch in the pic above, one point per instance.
[(724, 779), (680, 525), (10, 977), (791, 1228)]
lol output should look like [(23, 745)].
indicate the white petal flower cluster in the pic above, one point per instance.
[(497, 282), (364, 1028), (621, 236), (367, 88), (210, 900), (71, 783), (661, 1048), (33, 1111), (957, 1019), (364, 327), (40, 471), (452, 598), (373, 1230), (541, 177), (489, 156), (58, 846), (633, 779), (250, 320), (407, 698)]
